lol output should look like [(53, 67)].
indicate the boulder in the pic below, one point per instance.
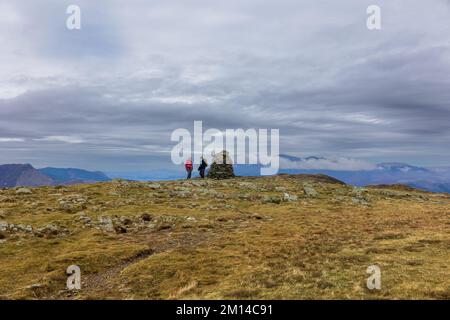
[(154, 186), (309, 190), (272, 199), (48, 231), (23, 191), (289, 197), (106, 224), (4, 225)]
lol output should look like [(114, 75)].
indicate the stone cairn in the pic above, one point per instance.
[(221, 167)]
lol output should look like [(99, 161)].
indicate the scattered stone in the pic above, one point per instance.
[(24, 228), (288, 197), (208, 192), (126, 221), (244, 196), (309, 190), (146, 217), (48, 231), (106, 224), (360, 196), (179, 194), (35, 286), (195, 183), (339, 199), (4, 225), (164, 227), (154, 186), (360, 201), (85, 220), (271, 199), (72, 203), (248, 185), (23, 191), (324, 285), (120, 229), (121, 182)]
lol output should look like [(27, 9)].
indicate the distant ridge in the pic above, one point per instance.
[(429, 179), (13, 175), (73, 175)]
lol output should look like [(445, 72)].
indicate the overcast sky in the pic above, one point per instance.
[(109, 95)]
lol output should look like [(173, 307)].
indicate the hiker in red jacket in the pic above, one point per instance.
[(188, 165)]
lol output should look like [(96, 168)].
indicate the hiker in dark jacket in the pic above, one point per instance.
[(202, 168)]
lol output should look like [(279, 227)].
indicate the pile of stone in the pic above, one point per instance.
[(221, 167)]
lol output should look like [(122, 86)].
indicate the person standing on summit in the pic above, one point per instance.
[(188, 165), (202, 167)]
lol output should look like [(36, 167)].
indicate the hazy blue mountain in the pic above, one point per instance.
[(429, 179), (12, 175), (74, 176)]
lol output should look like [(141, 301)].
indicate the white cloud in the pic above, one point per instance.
[(12, 140), (65, 139), (311, 69), (342, 164)]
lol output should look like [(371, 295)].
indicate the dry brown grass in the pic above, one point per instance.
[(237, 247)]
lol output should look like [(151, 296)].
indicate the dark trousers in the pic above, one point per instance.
[(202, 173), (189, 172)]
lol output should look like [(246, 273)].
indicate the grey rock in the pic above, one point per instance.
[(106, 223), (4, 225), (271, 199), (23, 191), (72, 203), (248, 185), (309, 190), (49, 230), (154, 186), (180, 194), (289, 197)]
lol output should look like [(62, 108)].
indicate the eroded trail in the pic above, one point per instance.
[(107, 283)]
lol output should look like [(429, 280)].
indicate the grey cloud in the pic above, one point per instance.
[(135, 73)]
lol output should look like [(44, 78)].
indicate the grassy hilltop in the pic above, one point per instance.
[(283, 237)]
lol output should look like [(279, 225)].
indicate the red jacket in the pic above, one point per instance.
[(188, 165)]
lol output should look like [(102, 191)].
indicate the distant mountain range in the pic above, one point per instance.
[(429, 179), (350, 171), (12, 175)]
